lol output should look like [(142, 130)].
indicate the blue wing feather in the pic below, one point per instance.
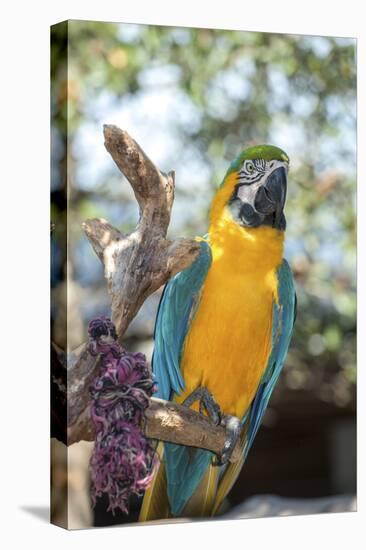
[(283, 319), (177, 306), (184, 466)]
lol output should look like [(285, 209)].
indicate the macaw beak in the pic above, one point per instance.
[(271, 196)]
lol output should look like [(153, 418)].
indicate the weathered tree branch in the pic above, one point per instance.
[(139, 263), (168, 421), (135, 266)]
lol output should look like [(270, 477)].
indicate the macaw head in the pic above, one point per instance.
[(254, 188)]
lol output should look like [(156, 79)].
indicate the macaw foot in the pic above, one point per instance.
[(232, 426), (206, 401)]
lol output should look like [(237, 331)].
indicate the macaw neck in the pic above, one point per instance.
[(251, 249)]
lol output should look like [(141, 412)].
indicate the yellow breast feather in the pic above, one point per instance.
[(230, 338)]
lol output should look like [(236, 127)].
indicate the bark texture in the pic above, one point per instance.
[(139, 263)]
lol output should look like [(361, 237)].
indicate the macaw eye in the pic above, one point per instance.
[(249, 167)]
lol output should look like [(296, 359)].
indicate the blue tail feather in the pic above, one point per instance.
[(185, 468)]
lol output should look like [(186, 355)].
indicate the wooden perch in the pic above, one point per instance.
[(168, 421), (135, 266), (175, 423)]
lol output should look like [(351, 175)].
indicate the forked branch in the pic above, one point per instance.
[(139, 263)]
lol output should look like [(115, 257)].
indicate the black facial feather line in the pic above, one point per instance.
[(249, 177)]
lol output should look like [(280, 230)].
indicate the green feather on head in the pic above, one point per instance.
[(265, 152)]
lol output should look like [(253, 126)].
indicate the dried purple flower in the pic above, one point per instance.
[(123, 460)]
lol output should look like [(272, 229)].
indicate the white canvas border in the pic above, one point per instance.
[(24, 131)]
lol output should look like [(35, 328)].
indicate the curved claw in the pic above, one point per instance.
[(232, 427), (214, 412)]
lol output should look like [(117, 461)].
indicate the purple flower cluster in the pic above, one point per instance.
[(123, 460)]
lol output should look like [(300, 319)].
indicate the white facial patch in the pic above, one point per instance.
[(248, 192)]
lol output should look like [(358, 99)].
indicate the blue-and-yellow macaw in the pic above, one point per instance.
[(222, 332)]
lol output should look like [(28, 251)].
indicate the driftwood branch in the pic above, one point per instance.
[(135, 266), (139, 263)]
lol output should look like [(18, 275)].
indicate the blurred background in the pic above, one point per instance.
[(193, 99)]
